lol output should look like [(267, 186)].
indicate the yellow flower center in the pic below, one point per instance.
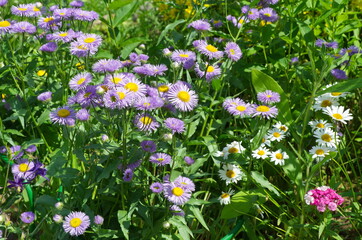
[(337, 116), (75, 222), (267, 14), (283, 128), (263, 140), (116, 80), (80, 81), (211, 48), (89, 40), (131, 86), (80, 66), (23, 167), (279, 156), (263, 109), (82, 47), (319, 152), (184, 96), (41, 73), (87, 94), (225, 195), (232, 51), (177, 191), (48, 19), (241, 21), (146, 104), (184, 55), (163, 88), (268, 96), (146, 120), (121, 95), (233, 150), (241, 108), (210, 69), (63, 113), (35, 9), (22, 9), (336, 94), (320, 125), (63, 34), (326, 103), (326, 137), (5, 24), (160, 159), (230, 174), (261, 152), (276, 134)]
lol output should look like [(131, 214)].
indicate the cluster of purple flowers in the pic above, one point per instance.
[(323, 197), (238, 107)]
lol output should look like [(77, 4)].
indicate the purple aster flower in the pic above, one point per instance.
[(134, 86), (160, 159), (128, 175), (63, 13), (332, 45), (80, 81), (62, 36), (107, 65), (58, 218), (201, 25), (134, 165), (27, 217), (212, 71), (76, 4), (86, 97), (63, 115), (23, 27), (111, 99), (49, 22), (82, 115), (23, 169), (16, 152), (148, 103), (166, 178), (148, 146), (209, 50), (294, 60), (98, 219), (353, 50), (146, 122), (176, 194), (177, 211), (53, 8), (91, 40), (182, 97), (320, 42), (5, 26), (245, 9), (268, 97), (21, 10), (17, 183), (265, 111), (3, 2), (183, 56), (185, 183), (216, 23), (76, 223), (151, 70), (83, 15), (156, 187), (238, 22), (79, 49), (31, 149), (339, 74), (175, 125), (188, 160), (268, 14), (45, 96), (104, 138), (233, 51), (49, 47), (253, 13), (238, 107)]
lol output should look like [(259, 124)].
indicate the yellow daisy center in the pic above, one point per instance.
[(146, 104), (337, 116), (121, 95), (184, 96), (22, 9), (63, 34), (63, 113), (225, 195), (89, 40), (279, 156), (326, 137), (336, 94), (319, 152), (163, 88), (184, 55), (131, 86), (210, 69), (48, 19), (267, 14), (177, 191), (230, 174), (116, 80), (211, 48), (233, 150), (320, 125), (326, 103), (80, 81), (23, 167), (82, 47), (276, 134), (283, 128), (35, 9), (261, 152), (5, 24), (160, 159), (263, 109), (268, 96), (146, 120), (75, 222), (241, 108), (232, 51)]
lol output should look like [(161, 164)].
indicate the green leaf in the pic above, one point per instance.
[(43, 117), (169, 27), (263, 82), (180, 223), (119, 3), (261, 179), (124, 13), (124, 222), (345, 86), (14, 132), (199, 216), (306, 32), (131, 44), (57, 162)]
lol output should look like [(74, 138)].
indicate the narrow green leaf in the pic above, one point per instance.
[(199, 216), (124, 222), (168, 28), (119, 3), (261, 179), (345, 86)]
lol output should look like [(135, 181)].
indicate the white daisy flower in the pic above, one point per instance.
[(225, 197), (230, 173), (322, 102), (278, 157), (261, 153), (276, 134), (318, 124), (338, 113), (265, 141), (319, 152), (326, 137), (281, 126), (234, 147)]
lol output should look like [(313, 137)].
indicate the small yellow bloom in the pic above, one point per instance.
[(80, 66), (41, 73)]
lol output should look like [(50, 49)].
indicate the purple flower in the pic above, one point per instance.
[(27, 217), (209, 50), (86, 97), (45, 96), (21, 10), (58, 218), (200, 25), (76, 4), (175, 194), (146, 122), (188, 160), (80, 81), (353, 50), (3, 2), (175, 125), (268, 14), (62, 36), (182, 97), (98, 219), (320, 42), (189, 64), (160, 159), (49, 23), (23, 169), (17, 183), (156, 187), (185, 183), (210, 71), (63, 13), (294, 60), (253, 13), (5, 26), (265, 111), (339, 74), (332, 45), (49, 47), (107, 65), (233, 51), (82, 115), (151, 70), (83, 15), (238, 107), (128, 175), (148, 146), (148, 103), (177, 211), (135, 88), (63, 115), (268, 97), (24, 27), (183, 56), (79, 49), (31, 149), (90, 40), (76, 223)]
